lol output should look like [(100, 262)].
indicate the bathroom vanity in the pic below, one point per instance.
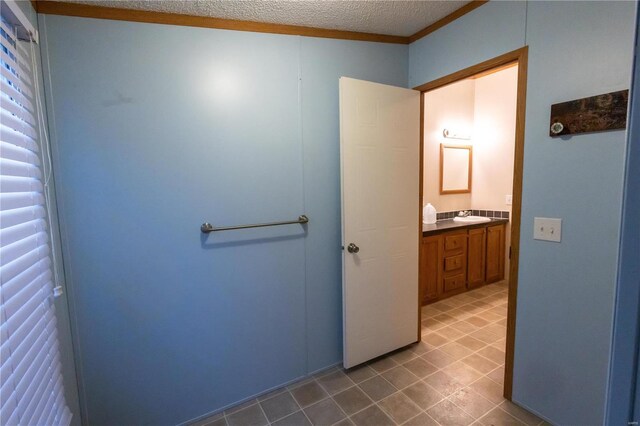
[(457, 257)]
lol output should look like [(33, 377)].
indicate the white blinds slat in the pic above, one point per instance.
[(23, 281), (16, 123), (17, 153), (31, 391), (13, 107), (11, 136), (17, 216), (11, 270), (16, 233), (15, 94), (9, 31), (19, 169), (19, 184), (21, 247), (17, 200), (23, 298)]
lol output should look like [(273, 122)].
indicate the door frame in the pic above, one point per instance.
[(519, 57)]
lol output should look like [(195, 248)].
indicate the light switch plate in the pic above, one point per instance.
[(547, 229), (508, 199)]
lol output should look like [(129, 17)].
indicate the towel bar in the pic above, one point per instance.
[(207, 227)]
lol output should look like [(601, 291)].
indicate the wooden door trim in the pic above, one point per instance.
[(145, 16), (458, 13), (519, 57)]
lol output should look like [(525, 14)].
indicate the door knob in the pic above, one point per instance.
[(352, 248)]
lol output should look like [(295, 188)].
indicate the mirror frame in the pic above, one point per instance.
[(455, 191)]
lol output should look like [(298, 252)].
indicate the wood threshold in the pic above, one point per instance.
[(447, 19), (519, 57), (119, 14)]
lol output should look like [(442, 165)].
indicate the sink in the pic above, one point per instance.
[(471, 219)]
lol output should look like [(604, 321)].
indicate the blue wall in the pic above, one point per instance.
[(624, 372), (159, 128), (566, 291)]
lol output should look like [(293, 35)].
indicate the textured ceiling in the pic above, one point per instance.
[(391, 17)]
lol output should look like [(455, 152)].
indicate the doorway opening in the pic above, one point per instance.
[(472, 144)]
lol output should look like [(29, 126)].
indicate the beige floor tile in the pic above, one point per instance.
[(344, 422), (490, 317), (422, 419), (488, 389), (435, 339), (360, 373), (462, 373), (471, 402), (372, 416), (399, 407), (441, 306), (438, 358), (296, 419), (248, 416), (450, 333), (456, 350), (445, 318), (377, 388), (480, 363), (279, 406), (335, 382), (400, 377), (382, 364), (447, 413), (471, 343), (420, 348), (443, 383), (492, 353), (498, 417), (352, 400), (420, 367), (324, 413), (496, 329), (308, 394), (464, 327), (485, 335), (477, 321), (520, 413), (423, 395), (460, 313), (497, 375), (403, 355)]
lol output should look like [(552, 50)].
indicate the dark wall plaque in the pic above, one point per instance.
[(593, 114)]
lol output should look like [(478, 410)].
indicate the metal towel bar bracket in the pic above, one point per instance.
[(207, 227)]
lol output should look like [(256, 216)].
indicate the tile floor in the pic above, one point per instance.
[(453, 377)]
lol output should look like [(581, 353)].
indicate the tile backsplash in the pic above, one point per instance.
[(497, 214)]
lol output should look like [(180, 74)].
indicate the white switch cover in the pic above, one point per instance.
[(508, 199), (547, 229)]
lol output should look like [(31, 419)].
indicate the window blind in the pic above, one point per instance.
[(31, 389)]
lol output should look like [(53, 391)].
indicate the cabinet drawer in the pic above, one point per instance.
[(454, 283), (453, 263), (454, 242)]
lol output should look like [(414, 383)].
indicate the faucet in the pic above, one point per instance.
[(464, 213)]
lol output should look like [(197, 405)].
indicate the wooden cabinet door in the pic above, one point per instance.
[(431, 268), (476, 257), (495, 253)]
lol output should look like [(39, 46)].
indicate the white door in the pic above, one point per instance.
[(380, 165)]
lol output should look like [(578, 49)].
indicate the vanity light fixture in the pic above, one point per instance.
[(450, 134)]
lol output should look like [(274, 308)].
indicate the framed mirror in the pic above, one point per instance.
[(455, 169)]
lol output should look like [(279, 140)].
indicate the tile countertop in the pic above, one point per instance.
[(450, 224)]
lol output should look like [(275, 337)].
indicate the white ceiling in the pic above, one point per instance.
[(393, 17)]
